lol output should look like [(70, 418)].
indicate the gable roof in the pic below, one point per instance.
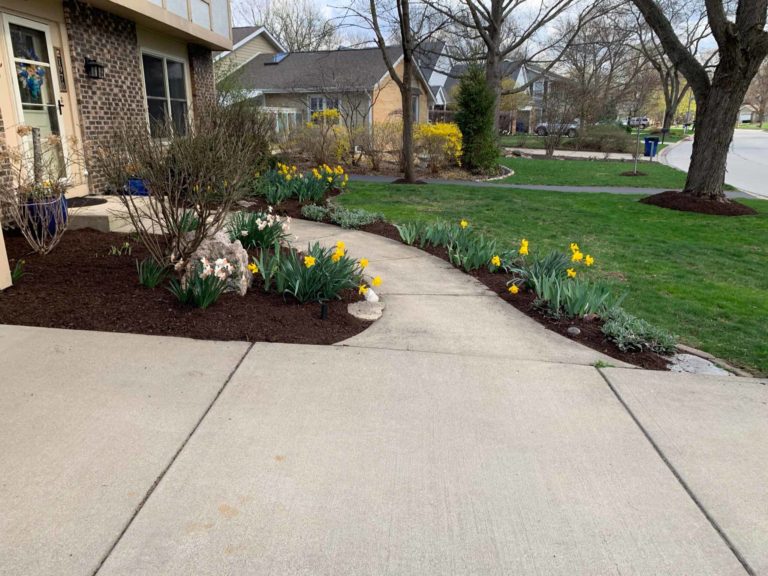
[(345, 70), (428, 54), (509, 69), (244, 34)]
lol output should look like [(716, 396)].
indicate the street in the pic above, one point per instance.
[(747, 161)]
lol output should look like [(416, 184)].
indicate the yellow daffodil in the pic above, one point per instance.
[(340, 245), (574, 247), (496, 261), (589, 260), (363, 262), (253, 268), (330, 178), (463, 224), (362, 289), (336, 256), (376, 281), (513, 289), (577, 257), (309, 261), (571, 273), (523, 251)]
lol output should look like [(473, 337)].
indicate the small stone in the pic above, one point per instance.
[(365, 310), (371, 296), (573, 331)]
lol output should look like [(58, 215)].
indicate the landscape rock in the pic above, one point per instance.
[(573, 331), (371, 296), (219, 246), (695, 365), (365, 310)]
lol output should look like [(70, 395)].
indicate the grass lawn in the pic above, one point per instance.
[(592, 173), (702, 277)]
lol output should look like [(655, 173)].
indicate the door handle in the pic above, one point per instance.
[(60, 106)]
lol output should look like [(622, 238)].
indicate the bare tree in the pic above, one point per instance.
[(742, 43), (757, 95), (689, 19), (509, 28), (560, 104), (603, 67), (300, 25), (412, 28)]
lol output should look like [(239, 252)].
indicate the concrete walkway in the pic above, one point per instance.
[(454, 436), (568, 189), (574, 154)]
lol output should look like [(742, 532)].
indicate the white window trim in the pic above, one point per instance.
[(325, 103), (187, 82)]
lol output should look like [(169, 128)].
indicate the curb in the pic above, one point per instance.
[(663, 154)]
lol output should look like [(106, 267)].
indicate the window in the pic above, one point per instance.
[(538, 88), (415, 107), (166, 89), (319, 103)]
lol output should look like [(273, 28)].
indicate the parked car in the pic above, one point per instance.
[(639, 121), (570, 129)]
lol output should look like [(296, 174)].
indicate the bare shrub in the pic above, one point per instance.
[(382, 140), (192, 180), (33, 200)]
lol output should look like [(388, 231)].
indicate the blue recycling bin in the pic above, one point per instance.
[(651, 146)]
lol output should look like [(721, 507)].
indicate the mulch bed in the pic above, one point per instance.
[(591, 334), (685, 202), (80, 286)]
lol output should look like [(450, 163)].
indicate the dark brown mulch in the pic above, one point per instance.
[(686, 202), (591, 333), (633, 173), (79, 286)]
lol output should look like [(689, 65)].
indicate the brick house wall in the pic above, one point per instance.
[(201, 75), (103, 104), (6, 174)]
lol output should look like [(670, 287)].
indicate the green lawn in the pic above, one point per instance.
[(592, 173), (702, 277)]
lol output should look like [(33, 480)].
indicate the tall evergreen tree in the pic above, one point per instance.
[(475, 116)]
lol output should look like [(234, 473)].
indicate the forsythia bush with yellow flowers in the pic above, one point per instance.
[(323, 138), (440, 142)]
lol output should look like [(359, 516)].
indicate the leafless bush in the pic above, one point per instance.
[(34, 200), (382, 140), (192, 180)]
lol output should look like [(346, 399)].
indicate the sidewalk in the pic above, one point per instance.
[(454, 436), (574, 154)]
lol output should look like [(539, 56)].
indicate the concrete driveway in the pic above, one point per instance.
[(453, 437), (747, 161)]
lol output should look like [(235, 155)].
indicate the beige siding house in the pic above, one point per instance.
[(293, 85), (74, 70)]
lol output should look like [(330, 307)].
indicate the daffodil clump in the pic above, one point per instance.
[(332, 178), (317, 275), (258, 229)]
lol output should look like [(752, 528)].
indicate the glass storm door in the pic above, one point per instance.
[(37, 99)]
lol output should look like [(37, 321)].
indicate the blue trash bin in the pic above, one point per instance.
[(136, 187), (651, 146)]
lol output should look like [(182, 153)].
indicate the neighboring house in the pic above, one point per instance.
[(248, 42), (748, 114), (435, 65), (78, 70), (294, 85), (525, 118)]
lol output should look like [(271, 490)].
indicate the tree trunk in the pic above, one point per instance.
[(493, 79), (715, 122), (409, 172)]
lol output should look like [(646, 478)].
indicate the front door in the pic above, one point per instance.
[(38, 104)]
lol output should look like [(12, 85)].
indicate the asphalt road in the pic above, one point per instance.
[(747, 161)]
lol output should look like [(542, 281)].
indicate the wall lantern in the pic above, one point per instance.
[(93, 69)]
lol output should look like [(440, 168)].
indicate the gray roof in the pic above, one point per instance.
[(339, 70), (242, 32), (428, 54)]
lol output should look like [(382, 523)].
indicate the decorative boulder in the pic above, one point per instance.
[(228, 258)]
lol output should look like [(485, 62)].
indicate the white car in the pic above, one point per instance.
[(639, 121)]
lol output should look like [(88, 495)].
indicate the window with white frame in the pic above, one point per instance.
[(538, 88), (415, 107), (320, 103), (165, 84)]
